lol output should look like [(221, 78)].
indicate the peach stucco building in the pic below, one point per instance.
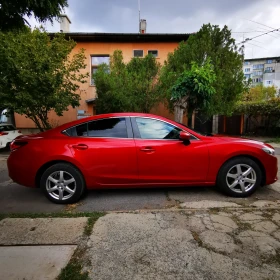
[(98, 48)]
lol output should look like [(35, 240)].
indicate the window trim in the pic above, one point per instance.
[(127, 122), (138, 50), (137, 134)]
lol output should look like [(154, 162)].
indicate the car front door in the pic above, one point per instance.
[(163, 158), (106, 149)]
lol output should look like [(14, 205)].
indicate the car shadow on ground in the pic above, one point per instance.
[(18, 199)]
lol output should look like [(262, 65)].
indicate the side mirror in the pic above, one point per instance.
[(185, 136)]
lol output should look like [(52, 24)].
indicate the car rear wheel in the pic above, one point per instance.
[(62, 183), (239, 177)]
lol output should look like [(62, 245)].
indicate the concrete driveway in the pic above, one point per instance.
[(18, 199)]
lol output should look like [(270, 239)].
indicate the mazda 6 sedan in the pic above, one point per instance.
[(131, 150)]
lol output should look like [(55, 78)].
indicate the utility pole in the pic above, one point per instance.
[(139, 15)]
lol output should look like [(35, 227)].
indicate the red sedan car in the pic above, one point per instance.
[(136, 150)]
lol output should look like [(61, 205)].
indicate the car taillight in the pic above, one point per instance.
[(16, 144), (3, 133)]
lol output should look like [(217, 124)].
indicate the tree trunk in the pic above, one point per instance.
[(180, 107), (178, 114)]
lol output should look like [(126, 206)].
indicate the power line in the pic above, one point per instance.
[(259, 23), (249, 39)]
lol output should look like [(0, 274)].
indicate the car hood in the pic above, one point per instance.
[(240, 140)]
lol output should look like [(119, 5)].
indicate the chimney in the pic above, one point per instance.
[(64, 23), (143, 26)]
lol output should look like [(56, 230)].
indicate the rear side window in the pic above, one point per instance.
[(7, 128), (107, 128)]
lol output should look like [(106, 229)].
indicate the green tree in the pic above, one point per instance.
[(193, 89), (127, 87), (259, 93), (216, 44), (13, 12), (37, 74)]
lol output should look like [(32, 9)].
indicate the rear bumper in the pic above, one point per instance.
[(20, 171)]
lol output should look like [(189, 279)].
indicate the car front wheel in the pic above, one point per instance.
[(62, 183), (239, 177)]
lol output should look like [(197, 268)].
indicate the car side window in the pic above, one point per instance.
[(156, 129), (111, 127)]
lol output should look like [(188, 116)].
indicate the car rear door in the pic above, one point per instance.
[(106, 149), (163, 158)]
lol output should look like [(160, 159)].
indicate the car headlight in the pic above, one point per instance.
[(269, 151)]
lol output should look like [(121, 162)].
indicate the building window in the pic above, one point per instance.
[(257, 80), (96, 60), (258, 66), (269, 61), (154, 53), (247, 76), (268, 70), (257, 73), (247, 69), (138, 53), (246, 62), (269, 82)]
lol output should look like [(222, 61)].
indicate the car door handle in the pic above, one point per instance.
[(80, 147), (147, 149)]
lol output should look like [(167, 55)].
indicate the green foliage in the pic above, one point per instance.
[(269, 107), (127, 87), (196, 84), (38, 76), (259, 93), (12, 12), (216, 44)]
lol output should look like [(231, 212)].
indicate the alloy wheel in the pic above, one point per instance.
[(241, 178), (61, 185)]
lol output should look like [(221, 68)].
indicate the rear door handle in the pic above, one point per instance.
[(80, 147), (147, 149)]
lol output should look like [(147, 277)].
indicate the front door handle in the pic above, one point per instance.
[(147, 149), (80, 147)]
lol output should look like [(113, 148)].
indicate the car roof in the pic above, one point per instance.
[(103, 116)]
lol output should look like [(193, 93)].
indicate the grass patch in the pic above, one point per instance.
[(89, 226), (73, 271), (93, 215)]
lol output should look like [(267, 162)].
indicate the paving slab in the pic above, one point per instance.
[(174, 245), (223, 224), (33, 262), (205, 204), (23, 231), (265, 203)]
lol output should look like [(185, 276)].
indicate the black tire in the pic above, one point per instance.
[(52, 189), (230, 175)]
